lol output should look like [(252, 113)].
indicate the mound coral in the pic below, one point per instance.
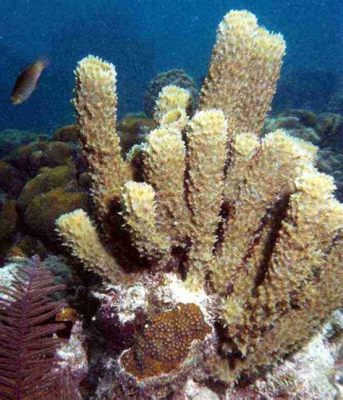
[(132, 129), (67, 133), (241, 229), (11, 180), (175, 77), (42, 211), (33, 156), (46, 180)]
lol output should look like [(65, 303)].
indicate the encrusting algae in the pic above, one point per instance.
[(242, 230)]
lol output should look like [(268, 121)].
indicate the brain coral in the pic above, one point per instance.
[(166, 341)]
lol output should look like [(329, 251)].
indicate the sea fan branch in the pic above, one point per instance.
[(28, 361)]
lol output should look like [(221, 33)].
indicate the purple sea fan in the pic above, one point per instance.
[(28, 362)]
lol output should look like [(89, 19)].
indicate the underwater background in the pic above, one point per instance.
[(145, 37), (190, 247)]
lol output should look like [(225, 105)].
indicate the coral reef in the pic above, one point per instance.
[(67, 133), (232, 243), (8, 223), (176, 77), (312, 373), (12, 138), (46, 180), (72, 356), (33, 170), (33, 156), (11, 180), (8, 219)]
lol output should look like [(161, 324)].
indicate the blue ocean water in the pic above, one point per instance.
[(144, 37)]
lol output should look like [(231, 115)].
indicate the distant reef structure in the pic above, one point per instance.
[(177, 77), (220, 248), (13, 138)]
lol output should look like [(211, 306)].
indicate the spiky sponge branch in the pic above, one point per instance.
[(79, 233), (247, 221), (265, 182), (96, 106), (308, 236), (206, 139), (164, 148), (171, 107), (244, 69), (141, 218), (300, 288)]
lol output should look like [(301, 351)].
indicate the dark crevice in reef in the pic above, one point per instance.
[(276, 214), (230, 352), (180, 258), (272, 221), (186, 179), (121, 244), (229, 158), (217, 387), (226, 211)]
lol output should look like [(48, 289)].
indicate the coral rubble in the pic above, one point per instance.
[(231, 242)]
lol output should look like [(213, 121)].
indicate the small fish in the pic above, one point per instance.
[(27, 81)]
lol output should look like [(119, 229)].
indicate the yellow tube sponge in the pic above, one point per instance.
[(306, 238), (288, 303), (96, 108), (244, 69), (164, 166), (140, 215), (303, 281), (79, 234), (171, 107), (242, 226), (256, 197), (206, 141), (244, 147)]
